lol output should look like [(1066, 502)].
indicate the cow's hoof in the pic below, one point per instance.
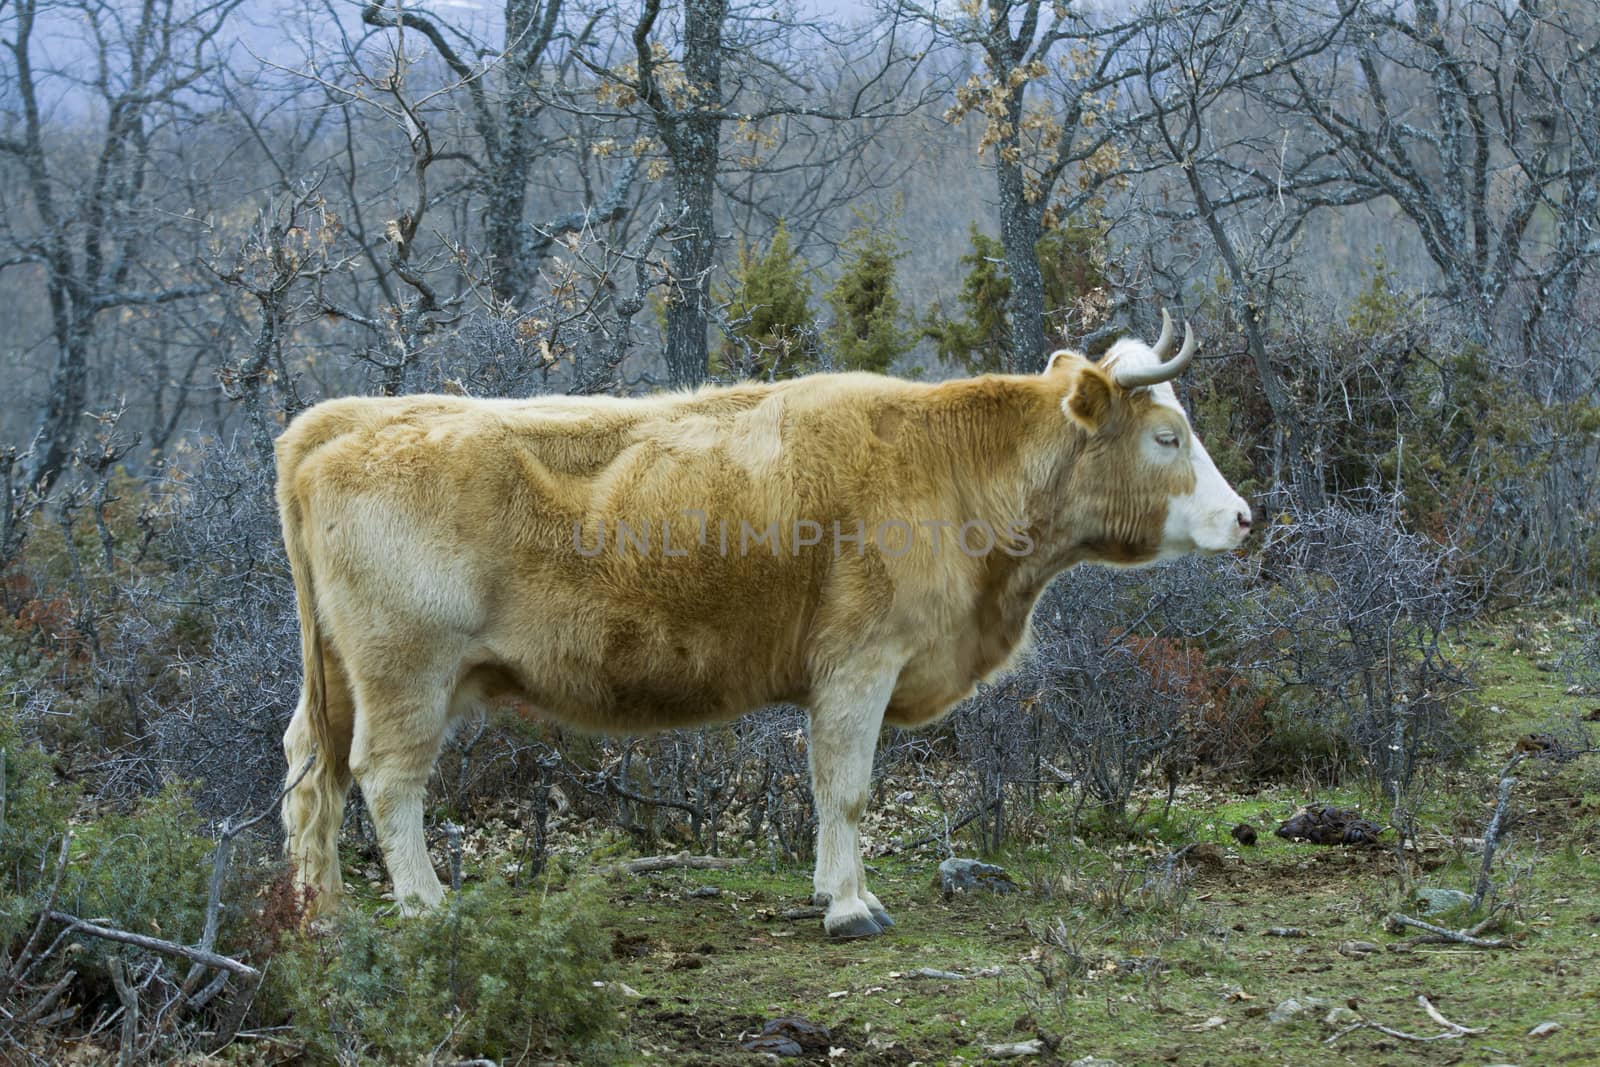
[(852, 928), (882, 918)]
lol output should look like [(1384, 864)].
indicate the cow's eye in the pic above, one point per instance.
[(1166, 439)]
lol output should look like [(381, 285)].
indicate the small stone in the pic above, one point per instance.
[(1094, 1061), (1339, 1017), (705, 891), (1433, 901), (1291, 1009), (1287, 931), (1544, 1029), (1286, 1011), (1016, 1049), (1215, 1022), (970, 876)]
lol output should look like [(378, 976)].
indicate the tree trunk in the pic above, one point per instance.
[(1020, 233), (687, 352), (63, 407), (1021, 226), (693, 140)]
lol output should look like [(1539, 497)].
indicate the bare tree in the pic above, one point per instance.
[(1055, 98), (505, 97), (85, 220), (717, 65), (1478, 122)]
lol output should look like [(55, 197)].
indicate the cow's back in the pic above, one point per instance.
[(620, 564)]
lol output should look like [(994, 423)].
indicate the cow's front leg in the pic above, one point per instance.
[(845, 719)]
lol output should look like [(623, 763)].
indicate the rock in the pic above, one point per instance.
[(1286, 931), (1215, 1022), (1544, 1029), (1015, 1049), (1433, 901), (1357, 949), (1244, 833), (1094, 1061), (704, 891), (933, 972), (1291, 1009), (970, 876), (1339, 1017)]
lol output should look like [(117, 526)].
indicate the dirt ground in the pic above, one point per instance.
[(1113, 949)]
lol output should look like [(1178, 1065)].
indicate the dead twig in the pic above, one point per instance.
[(1439, 933), (41, 1007), (1491, 836), (679, 861), (1452, 1030), (943, 834), (129, 996), (154, 944), (26, 960), (794, 915), (219, 873)]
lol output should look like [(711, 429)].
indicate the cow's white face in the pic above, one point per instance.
[(1212, 518), (1148, 480)]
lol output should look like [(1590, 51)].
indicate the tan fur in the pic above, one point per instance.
[(432, 543)]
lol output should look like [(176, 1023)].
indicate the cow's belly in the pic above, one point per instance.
[(600, 683)]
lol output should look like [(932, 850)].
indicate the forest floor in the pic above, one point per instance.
[(1106, 951)]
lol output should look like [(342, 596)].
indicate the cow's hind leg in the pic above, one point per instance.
[(400, 725), (846, 716), (314, 797)]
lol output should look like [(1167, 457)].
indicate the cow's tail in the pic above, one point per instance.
[(318, 754)]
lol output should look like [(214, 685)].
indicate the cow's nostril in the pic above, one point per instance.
[(1244, 520)]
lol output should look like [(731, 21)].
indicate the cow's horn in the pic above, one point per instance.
[(1129, 378)]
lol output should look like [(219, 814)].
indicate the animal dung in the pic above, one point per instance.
[(1321, 824), (789, 1036)]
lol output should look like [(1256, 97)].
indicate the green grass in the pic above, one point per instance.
[(1102, 953)]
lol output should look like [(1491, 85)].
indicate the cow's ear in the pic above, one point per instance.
[(1088, 399)]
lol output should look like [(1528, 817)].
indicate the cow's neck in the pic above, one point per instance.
[(1011, 432)]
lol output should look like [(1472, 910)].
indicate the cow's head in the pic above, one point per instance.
[(1142, 487)]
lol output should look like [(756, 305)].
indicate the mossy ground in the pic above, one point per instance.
[(1110, 948), (1143, 968)]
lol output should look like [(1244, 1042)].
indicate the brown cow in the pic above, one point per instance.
[(867, 547)]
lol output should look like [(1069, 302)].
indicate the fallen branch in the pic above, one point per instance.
[(679, 861), (927, 839), (129, 996), (1451, 1031), (1440, 934), (26, 960), (1491, 836), (154, 944), (219, 873), (795, 915), (41, 1007)]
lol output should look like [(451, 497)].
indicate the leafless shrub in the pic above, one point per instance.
[(212, 645), (1352, 620)]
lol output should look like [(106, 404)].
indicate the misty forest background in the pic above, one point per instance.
[(1380, 217)]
